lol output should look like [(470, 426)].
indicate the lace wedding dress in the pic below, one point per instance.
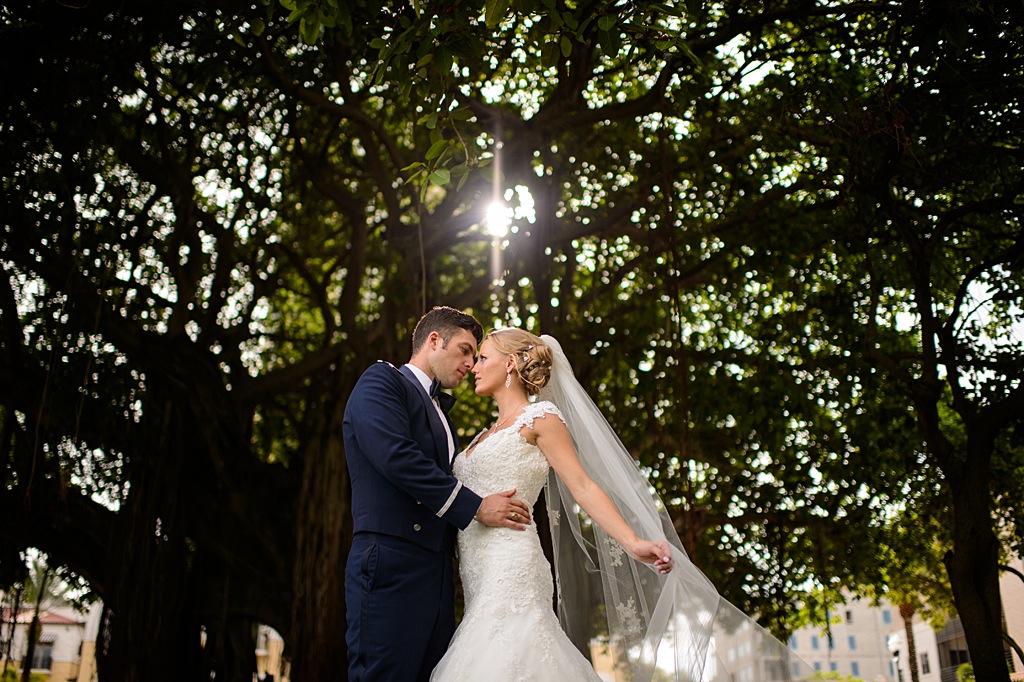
[(509, 631)]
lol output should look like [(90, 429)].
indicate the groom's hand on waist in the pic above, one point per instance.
[(501, 510)]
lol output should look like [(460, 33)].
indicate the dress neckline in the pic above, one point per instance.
[(516, 425)]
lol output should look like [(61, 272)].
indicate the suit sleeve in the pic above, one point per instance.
[(384, 433)]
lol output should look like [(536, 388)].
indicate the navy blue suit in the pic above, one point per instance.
[(406, 508)]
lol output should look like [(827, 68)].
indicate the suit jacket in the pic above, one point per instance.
[(397, 453)]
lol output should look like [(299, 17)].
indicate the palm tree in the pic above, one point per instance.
[(39, 587), (907, 612)]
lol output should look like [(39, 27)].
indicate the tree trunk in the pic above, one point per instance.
[(973, 563), (9, 641), (146, 634), (907, 614), (323, 534)]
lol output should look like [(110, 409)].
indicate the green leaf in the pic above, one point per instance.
[(441, 176), (312, 29), (377, 43), (684, 47), (258, 26), (437, 149), (549, 54), (611, 42), (495, 12), (425, 59), (443, 60), (606, 22), (412, 178), (345, 18), (412, 166), (667, 9), (566, 46)]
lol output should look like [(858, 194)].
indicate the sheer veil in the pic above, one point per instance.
[(659, 627)]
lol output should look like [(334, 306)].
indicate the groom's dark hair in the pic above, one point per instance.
[(445, 321)]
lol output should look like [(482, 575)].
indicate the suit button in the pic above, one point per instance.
[(416, 527)]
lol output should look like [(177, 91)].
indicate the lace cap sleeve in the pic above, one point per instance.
[(535, 410)]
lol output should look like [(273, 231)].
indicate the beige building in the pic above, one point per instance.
[(1011, 587), (940, 653), (58, 653), (67, 647), (854, 642)]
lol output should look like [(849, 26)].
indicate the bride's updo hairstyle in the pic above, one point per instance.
[(533, 357)]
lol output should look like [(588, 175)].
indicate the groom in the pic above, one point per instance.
[(407, 505)]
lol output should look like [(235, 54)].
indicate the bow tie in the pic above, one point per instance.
[(445, 400)]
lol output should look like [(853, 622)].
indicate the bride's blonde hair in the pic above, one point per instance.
[(532, 356)]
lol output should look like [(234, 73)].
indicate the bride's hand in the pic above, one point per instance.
[(657, 554)]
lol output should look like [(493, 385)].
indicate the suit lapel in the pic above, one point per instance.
[(436, 427)]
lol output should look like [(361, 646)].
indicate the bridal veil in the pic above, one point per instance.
[(659, 627)]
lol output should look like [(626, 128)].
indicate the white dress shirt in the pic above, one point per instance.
[(425, 381)]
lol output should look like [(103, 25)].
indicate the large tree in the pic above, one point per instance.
[(211, 228), (931, 222)]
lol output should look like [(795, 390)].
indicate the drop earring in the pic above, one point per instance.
[(508, 379)]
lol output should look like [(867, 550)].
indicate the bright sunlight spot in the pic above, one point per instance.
[(498, 219)]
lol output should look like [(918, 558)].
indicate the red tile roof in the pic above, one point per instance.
[(45, 617)]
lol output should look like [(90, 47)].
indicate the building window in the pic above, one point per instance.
[(853, 642), (817, 666), (833, 666), (925, 667), (887, 617), (849, 616), (958, 657), (814, 642), (42, 656), (792, 642), (855, 668)]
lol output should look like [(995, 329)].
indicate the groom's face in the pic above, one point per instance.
[(451, 362)]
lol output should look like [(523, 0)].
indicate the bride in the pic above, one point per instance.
[(668, 623)]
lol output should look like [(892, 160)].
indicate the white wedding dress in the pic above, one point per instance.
[(509, 631)]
